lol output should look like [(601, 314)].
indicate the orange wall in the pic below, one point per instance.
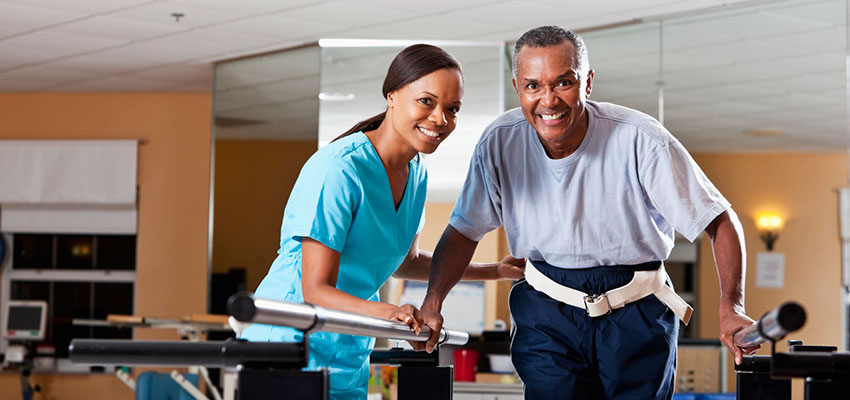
[(252, 184), (802, 188), (172, 263)]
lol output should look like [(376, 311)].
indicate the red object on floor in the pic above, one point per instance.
[(465, 362)]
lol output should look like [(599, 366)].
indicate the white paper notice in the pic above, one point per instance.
[(770, 270)]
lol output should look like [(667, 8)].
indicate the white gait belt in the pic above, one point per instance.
[(643, 284)]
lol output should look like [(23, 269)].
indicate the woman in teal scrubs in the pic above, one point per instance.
[(354, 216)]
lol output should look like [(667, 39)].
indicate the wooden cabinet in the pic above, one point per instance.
[(701, 367)]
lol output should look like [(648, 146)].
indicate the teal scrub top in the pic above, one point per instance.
[(342, 198)]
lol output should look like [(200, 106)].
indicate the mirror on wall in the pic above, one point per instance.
[(351, 79), (757, 92), (755, 80), (765, 78), (273, 111), (266, 118)]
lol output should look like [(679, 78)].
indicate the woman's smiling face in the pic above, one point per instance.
[(424, 112)]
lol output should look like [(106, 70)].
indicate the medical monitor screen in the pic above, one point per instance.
[(25, 320)]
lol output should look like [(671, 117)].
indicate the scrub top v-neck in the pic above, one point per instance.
[(343, 199)]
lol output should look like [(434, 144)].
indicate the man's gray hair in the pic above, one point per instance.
[(552, 35)]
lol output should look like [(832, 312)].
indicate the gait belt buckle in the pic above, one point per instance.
[(597, 305)]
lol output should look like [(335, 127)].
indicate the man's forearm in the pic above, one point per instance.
[(450, 259), (729, 255)]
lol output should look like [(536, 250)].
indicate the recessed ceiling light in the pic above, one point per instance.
[(336, 96), (764, 132)]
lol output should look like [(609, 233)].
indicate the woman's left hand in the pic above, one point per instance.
[(511, 268)]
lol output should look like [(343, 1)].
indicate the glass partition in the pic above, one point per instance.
[(266, 118), (759, 80), (769, 77), (352, 75), (765, 78)]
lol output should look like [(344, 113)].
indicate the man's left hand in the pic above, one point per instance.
[(733, 320)]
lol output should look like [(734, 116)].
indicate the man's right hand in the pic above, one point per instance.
[(450, 260), (432, 319)]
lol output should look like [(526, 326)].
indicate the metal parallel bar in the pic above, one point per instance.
[(308, 317), (184, 353), (772, 326)]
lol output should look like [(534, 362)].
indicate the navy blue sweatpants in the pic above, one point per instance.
[(561, 353)]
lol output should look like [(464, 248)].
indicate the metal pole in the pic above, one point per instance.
[(772, 326), (184, 353), (309, 317)]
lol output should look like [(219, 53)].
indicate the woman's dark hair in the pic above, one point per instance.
[(409, 65)]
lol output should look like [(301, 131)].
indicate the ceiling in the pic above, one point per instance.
[(137, 45), (726, 69)]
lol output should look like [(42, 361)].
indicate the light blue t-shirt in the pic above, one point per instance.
[(342, 198), (615, 201)]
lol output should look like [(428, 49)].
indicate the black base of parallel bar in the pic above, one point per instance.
[(760, 386), (419, 375), (425, 383), (267, 370), (183, 353), (755, 382), (274, 384), (826, 374), (823, 390), (398, 356), (814, 365)]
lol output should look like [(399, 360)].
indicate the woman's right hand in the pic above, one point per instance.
[(409, 315)]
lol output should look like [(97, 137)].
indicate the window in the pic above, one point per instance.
[(80, 276)]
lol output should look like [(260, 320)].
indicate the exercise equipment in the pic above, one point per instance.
[(24, 325), (273, 370), (825, 370), (190, 327)]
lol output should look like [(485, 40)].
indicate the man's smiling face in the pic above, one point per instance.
[(552, 90)]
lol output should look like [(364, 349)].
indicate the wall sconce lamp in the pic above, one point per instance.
[(769, 224)]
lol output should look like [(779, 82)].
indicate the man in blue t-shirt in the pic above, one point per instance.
[(590, 194)]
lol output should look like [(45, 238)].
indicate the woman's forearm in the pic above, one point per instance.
[(330, 297), (418, 268)]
